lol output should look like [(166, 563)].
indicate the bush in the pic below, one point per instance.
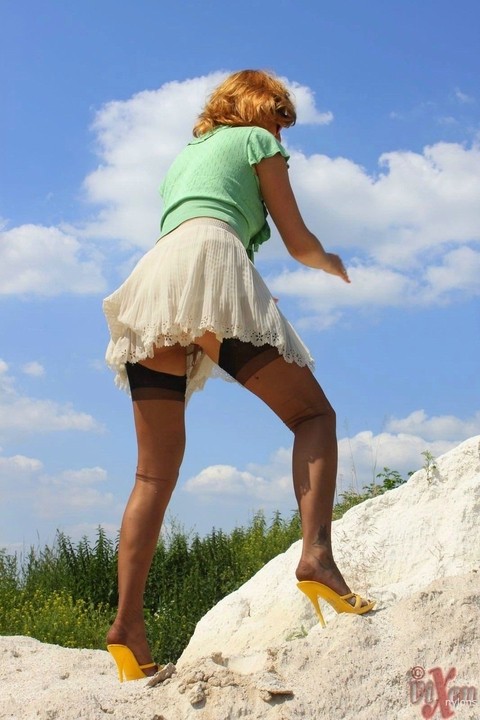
[(67, 594), (55, 618)]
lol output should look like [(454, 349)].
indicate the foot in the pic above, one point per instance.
[(318, 565), (135, 639)]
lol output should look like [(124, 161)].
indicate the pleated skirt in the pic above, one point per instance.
[(198, 278)]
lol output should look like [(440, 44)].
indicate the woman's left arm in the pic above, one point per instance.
[(280, 201)]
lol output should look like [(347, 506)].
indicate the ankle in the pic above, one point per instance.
[(313, 562), (318, 564), (117, 635), (124, 632)]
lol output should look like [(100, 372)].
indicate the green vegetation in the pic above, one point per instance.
[(66, 594), (390, 480)]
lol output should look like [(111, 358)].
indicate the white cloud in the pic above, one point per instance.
[(28, 415), (459, 273), (70, 499), (361, 458), (400, 447), (72, 491), (364, 455), (323, 299), (33, 368), (47, 261), (447, 120), (225, 480), (6, 380), (307, 112), (24, 415), (17, 466), (418, 203), (268, 483), (463, 97), (442, 427), (413, 231)]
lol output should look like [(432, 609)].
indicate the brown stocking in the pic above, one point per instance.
[(295, 396), (159, 422)]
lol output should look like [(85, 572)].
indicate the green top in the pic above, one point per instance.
[(213, 177)]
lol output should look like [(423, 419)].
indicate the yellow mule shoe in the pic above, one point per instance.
[(127, 665), (314, 590)]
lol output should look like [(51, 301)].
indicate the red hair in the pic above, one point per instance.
[(248, 97)]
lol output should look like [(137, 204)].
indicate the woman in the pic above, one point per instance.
[(195, 304)]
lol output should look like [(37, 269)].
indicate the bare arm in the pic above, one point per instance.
[(302, 245)]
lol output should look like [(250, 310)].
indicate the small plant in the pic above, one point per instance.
[(391, 478), (350, 498), (297, 634), (429, 464)]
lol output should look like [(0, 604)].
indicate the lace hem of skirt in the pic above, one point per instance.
[(136, 346)]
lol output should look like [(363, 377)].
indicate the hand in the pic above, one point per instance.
[(334, 266)]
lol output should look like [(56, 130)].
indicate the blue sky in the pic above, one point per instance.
[(97, 98)]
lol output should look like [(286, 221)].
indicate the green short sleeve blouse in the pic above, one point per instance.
[(213, 177)]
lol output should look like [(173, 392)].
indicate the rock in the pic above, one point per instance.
[(163, 674), (197, 694), (270, 685)]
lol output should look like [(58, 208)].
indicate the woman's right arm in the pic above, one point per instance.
[(280, 201)]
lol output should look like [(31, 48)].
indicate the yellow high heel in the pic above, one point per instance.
[(127, 665), (313, 590)]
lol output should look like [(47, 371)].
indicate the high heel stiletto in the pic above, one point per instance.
[(127, 665), (314, 590)]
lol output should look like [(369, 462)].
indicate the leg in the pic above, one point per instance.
[(158, 408), (296, 397)]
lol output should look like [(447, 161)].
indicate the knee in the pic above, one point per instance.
[(323, 416), (149, 478)]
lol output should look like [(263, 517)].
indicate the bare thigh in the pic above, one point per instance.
[(172, 360), (291, 391)]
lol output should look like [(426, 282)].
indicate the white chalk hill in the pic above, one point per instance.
[(387, 547)]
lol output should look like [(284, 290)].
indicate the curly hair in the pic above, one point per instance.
[(248, 97)]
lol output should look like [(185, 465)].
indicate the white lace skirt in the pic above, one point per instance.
[(197, 278)]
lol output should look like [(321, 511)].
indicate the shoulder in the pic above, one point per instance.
[(262, 144)]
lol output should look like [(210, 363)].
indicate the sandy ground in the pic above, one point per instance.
[(357, 668)]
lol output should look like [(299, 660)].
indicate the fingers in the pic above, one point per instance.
[(344, 275), (336, 267)]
